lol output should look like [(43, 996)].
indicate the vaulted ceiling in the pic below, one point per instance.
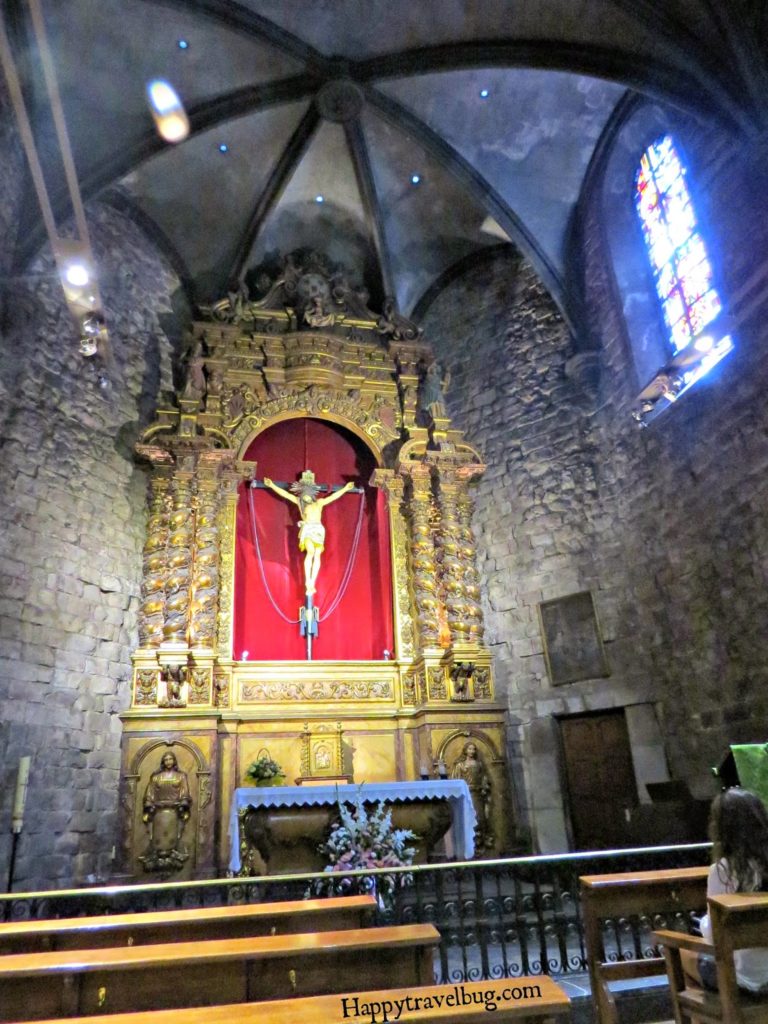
[(403, 137)]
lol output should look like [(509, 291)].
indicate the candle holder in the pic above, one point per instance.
[(17, 815)]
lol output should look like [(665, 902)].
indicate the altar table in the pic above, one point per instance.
[(454, 791)]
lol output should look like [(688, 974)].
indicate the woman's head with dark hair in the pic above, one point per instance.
[(738, 828)]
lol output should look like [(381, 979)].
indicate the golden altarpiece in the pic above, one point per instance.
[(200, 713)]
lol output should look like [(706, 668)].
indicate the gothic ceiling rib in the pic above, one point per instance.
[(273, 188), (492, 122), (362, 163)]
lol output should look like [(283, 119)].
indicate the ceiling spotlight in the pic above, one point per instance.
[(223, 147), (484, 94), (167, 110), (183, 44), (415, 179), (319, 199), (77, 275)]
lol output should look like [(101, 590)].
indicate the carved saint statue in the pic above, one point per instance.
[(311, 529), (167, 806), (470, 767), (433, 388)]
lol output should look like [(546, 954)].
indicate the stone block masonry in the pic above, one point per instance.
[(73, 514), (665, 526)]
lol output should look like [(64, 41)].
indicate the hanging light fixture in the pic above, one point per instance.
[(74, 256)]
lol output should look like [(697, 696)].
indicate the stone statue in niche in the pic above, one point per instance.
[(434, 384), (470, 767), (166, 810)]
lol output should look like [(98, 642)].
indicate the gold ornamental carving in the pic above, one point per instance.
[(145, 690), (154, 564), (199, 681), (316, 690), (438, 687), (394, 487), (221, 689), (317, 402), (227, 521), (482, 684)]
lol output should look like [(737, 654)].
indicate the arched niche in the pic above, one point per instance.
[(356, 563)]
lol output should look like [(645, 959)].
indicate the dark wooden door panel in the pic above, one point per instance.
[(600, 778)]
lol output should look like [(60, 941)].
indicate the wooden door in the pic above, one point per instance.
[(600, 778)]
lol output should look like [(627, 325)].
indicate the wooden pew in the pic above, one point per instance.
[(296, 916), (182, 974), (538, 997), (634, 893), (738, 922)]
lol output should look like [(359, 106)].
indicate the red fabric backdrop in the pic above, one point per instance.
[(361, 626)]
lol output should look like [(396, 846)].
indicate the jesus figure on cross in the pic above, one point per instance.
[(311, 529)]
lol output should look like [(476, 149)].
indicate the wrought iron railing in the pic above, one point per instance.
[(496, 919)]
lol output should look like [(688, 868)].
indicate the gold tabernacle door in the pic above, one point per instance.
[(428, 706)]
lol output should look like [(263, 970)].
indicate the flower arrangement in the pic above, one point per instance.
[(264, 769), (364, 838)]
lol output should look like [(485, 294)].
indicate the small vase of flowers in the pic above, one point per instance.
[(264, 771)]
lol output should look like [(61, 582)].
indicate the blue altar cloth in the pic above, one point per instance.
[(455, 791)]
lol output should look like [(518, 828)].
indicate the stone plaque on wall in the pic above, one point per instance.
[(573, 647)]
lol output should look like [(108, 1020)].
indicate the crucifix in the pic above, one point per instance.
[(304, 493)]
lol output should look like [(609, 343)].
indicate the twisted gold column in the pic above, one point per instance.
[(468, 554), (154, 563), (423, 566), (205, 573), (180, 537), (449, 543)]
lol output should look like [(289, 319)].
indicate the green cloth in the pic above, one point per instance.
[(752, 765)]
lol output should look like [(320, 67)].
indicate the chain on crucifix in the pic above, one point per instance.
[(305, 494)]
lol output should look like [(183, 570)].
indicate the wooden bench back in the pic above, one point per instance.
[(294, 916), (186, 974), (538, 997), (626, 894), (739, 921)]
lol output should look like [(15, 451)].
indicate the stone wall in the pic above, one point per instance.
[(664, 526), (72, 508)]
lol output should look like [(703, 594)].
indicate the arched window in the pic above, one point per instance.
[(682, 272)]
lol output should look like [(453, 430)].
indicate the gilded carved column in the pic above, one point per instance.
[(205, 573), (449, 542), (151, 613), (423, 567), (180, 539), (469, 554)]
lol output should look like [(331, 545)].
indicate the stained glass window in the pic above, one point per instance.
[(681, 266)]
